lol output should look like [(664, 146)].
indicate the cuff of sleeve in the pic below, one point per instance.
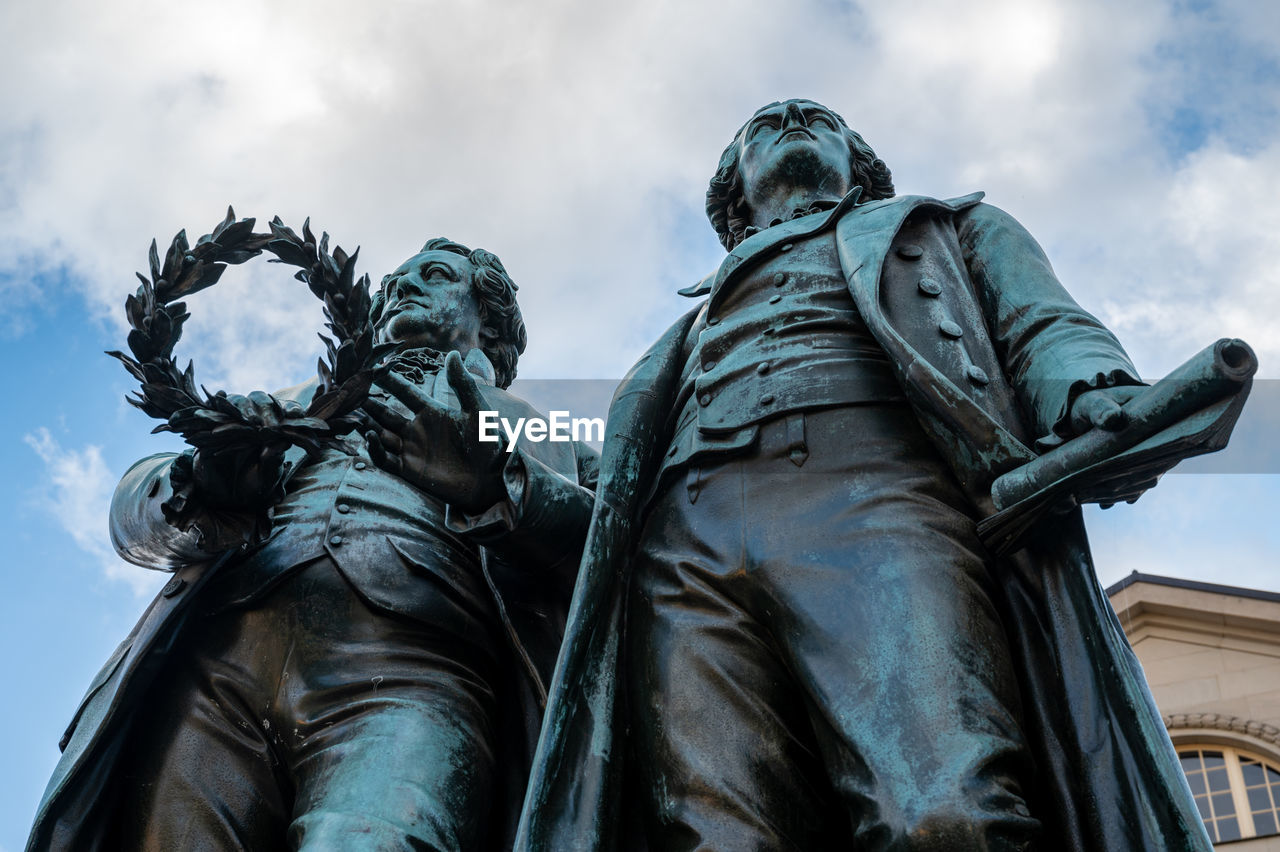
[(1061, 429), (503, 516)]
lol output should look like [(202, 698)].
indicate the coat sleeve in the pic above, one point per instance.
[(1052, 349), (139, 531), (544, 514)]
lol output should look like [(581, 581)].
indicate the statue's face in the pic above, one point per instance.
[(791, 144), (430, 302)]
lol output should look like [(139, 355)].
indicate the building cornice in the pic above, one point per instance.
[(1194, 586), (1219, 722)]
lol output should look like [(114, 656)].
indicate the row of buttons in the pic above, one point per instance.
[(779, 278), (344, 508), (948, 328), (761, 368)]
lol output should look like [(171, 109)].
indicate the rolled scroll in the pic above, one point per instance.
[(1190, 412)]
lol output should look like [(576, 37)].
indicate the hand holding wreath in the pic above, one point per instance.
[(225, 487)]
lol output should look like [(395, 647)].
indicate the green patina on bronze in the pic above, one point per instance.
[(371, 673), (834, 590), (927, 701)]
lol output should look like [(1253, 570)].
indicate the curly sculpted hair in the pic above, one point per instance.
[(499, 312), (727, 207)]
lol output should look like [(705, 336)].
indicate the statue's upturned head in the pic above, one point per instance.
[(448, 296), (727, 206)]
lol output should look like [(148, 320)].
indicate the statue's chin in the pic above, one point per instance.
[(410, 329), (799, 163)]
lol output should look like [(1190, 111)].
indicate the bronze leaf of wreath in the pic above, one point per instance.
[(218, 423)]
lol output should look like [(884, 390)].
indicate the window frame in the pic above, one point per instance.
[(1231, 751)]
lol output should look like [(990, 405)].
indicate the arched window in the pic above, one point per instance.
[(1238, 793)]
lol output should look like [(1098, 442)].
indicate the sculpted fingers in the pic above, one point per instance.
[(385, 416), (381, 456), (1122, 395), (414, 396), (1109, 415), (391, 443), (463, 384), (1099, 408), (1129, 494)]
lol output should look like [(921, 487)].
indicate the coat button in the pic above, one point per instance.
[(977, 375), (767, 399), (172, 587), (910, 251), (710, 365), (779, 278), (930, 287), (705, 399), (360, 465), (713, 320), (335, 540), (769, 332), (343, 508), (950, 329), (775, 299), (762, 367), (788, 247)]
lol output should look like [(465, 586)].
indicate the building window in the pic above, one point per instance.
[(1238, 793)]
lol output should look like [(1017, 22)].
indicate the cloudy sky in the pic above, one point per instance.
[(1137, 141)]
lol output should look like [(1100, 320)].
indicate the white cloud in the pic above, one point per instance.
[(78, 495), (1198, 262), (575, 139)]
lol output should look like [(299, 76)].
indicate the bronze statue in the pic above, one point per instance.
[(787, 632), (371, 676)]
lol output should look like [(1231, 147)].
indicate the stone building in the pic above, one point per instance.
[(1212, 657)]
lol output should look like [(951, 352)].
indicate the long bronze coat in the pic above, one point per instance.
[(1108, 776), (531, 562)]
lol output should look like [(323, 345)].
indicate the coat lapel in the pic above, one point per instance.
[(978, 446)]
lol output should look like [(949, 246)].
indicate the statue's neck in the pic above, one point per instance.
[(784, 205)]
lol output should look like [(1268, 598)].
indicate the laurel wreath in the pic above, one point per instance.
[(218, 423)]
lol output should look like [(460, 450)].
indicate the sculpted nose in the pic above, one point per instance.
[(793, 115), (410, 285)]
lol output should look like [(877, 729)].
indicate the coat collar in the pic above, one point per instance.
[(762, 241)]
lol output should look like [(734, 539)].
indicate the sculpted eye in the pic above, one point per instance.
[(761, 124), (434, 271), (819, 119)]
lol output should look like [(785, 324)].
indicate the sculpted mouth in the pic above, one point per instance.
[(393, 312), (808, 134), (398, 308)]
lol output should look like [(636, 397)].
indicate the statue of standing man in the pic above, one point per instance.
[(819, 652), (371, 676)]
